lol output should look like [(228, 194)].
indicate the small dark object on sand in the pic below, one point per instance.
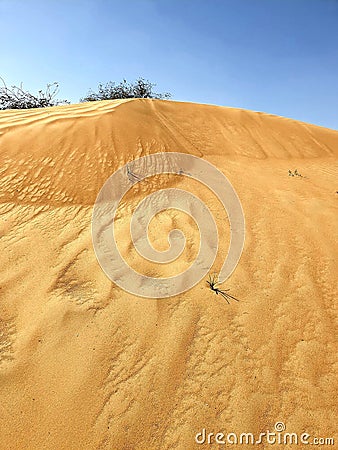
[(223, 292)]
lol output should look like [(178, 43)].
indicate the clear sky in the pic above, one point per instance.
[(276, 56)]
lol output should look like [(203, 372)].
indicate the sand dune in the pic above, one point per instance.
[(85, 365)]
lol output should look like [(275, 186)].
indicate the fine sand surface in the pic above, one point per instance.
[(85, 365)]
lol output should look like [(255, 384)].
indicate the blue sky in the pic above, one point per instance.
[(276, 56)]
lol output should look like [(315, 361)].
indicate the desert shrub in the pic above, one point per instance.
[(141, 88), (295, 173), (16, 97)]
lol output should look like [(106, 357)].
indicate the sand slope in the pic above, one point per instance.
[(84, 365)]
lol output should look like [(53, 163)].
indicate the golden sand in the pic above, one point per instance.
[(85, 365)]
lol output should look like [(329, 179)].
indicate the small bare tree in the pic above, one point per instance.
[(16, 97)]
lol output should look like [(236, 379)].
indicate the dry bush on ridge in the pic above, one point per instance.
[(16, 97), (141, 88)]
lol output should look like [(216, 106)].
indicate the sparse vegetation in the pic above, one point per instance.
[(212, 282), (295, 174), (141, 88), (16, 97)]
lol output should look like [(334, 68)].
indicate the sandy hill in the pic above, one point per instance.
[(85, 365)]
